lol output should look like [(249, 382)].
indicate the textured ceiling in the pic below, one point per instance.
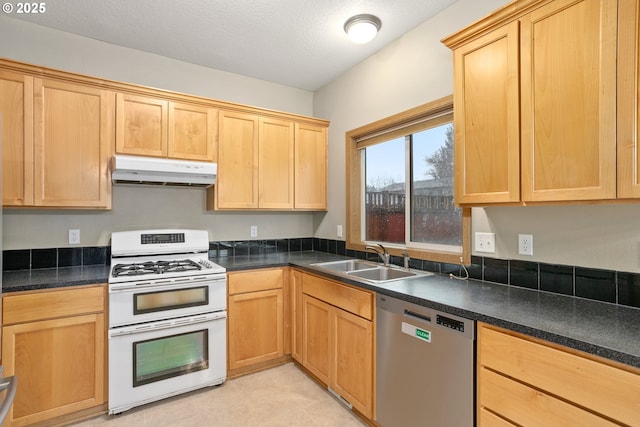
[(298, 43)]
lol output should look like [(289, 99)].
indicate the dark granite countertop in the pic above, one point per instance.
[(46, 278), (607, 330)]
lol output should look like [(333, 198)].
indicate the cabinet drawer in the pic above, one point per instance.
[(527, 406), (354, 300), (29, 307), (490, 419), (255, 280), (604, 389)]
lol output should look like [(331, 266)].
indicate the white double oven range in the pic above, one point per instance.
[(167, 316)]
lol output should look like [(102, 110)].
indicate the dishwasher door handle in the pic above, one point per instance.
[(416, 315)]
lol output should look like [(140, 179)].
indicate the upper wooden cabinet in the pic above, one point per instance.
[(16, 109), (568, 59), (157, 127), (237, 181), (275, 163), (535, 103), (310, 167), (61, 129), (629, 99), (74, 128), (487, 164), (57, 140), (269, 163)]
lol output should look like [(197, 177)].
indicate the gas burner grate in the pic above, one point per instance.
[(154, 267)]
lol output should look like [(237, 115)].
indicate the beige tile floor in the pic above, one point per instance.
[(279, 397)]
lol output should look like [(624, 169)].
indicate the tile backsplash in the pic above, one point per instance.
[(602, 285), (25, 259)]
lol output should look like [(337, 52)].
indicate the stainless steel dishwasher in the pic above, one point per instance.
[(425, 366)]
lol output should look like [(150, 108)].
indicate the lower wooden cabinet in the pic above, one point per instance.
[(295, 294), (352, 363), (328, 328), (54, 343), (255, 317), (526, 382), (316, 337), (337, 338)]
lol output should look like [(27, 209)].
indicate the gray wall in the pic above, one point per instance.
[(416, 69), (413, 70), (143, 207)]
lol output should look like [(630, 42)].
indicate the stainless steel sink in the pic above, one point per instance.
[(346, 265), (383, 274), (368, 271)]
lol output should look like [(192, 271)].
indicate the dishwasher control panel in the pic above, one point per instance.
[(450, 323)]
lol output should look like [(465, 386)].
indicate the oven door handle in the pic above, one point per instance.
[(117, 287), (167, 324)]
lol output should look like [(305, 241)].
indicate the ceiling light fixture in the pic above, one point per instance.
[(362, 28)]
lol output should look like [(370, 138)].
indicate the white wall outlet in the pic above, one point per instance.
[(525, 244), (74, 237), (485, 242), (339, 231), (254, 231)]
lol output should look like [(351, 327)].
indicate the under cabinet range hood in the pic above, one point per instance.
[(168, 172)]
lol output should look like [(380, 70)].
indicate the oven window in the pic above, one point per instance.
[(170, 300), (161, 358)]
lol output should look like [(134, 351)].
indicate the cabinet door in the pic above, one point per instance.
[(73, 143), (59, 365), (316, 342), (193, 132), (310, 167), (352, 367), (296, 315), (568, 64), (16, 110), (275, 165), (237, 180), (486, 118), (255, 327), (629, 100), (141, 125)]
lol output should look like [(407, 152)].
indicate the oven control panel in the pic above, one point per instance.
[(161, 238)]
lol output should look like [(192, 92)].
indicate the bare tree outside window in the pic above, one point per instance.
[(385, 193), (400, 181), (441, 162), (434, 219)]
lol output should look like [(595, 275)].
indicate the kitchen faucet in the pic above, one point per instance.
[(405, 254), (383, 254)]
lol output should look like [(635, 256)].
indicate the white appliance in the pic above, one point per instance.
[(167, 316), (156, 171)]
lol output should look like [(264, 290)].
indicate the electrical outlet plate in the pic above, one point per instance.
[(525, 244), (485, 242), (74, 237), (254, 231), (339, 231)]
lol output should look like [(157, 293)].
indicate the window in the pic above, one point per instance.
[(400, 180)]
